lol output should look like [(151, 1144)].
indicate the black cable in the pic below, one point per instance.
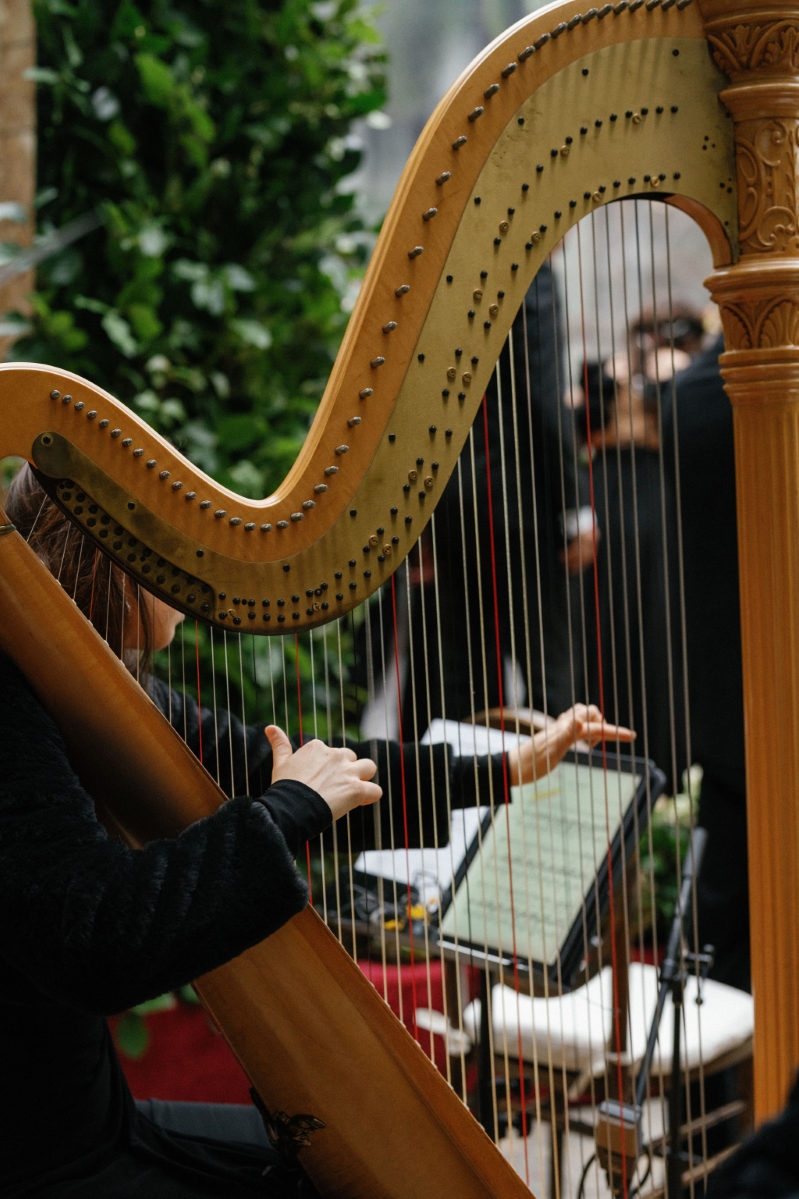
[(584, 1175)]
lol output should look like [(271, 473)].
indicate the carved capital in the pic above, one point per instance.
[(742, 47), (767, 162), (759, 303), (761, 324)]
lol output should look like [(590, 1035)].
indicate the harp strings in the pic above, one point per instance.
[(384, 674)]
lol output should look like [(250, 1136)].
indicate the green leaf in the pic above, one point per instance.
[(162, 1003), (41, 75), (237, 278), (247, 479), (132, 1036), (157, 79), (252, 333), (240, 431), (144, 321), (119, 332)]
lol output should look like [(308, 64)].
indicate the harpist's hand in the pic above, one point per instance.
[(542, 753), (336, 774)]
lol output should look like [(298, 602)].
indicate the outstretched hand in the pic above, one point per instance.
[(539, 755), (337, 775)]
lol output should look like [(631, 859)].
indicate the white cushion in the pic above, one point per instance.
[(576, 1028)]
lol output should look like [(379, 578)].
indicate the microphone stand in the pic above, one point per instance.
[(618, 1134)]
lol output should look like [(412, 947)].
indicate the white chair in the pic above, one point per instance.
[(575, 1029), (572, 1033)]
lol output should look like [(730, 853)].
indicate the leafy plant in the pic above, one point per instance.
[(214, 139)]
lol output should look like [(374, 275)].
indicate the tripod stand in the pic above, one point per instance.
[(618, 1133)]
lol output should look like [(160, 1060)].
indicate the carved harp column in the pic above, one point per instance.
[(757, 46)]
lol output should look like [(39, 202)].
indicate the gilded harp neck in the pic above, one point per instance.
[(548, 125)]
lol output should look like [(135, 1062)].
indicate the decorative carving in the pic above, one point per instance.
[(771, 47), (761, 324), (767, 160)]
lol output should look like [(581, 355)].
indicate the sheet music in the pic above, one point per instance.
[(558, 831), (432, 871)]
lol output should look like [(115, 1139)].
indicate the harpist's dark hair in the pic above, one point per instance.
[(100, 589)]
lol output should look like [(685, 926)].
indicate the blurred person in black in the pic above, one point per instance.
[(635, 589), (698, 439), (528, 534)]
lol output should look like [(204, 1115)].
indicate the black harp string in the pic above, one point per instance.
[(339, 930), (528, 648), (258, 714), (625, 1016), (565, 261), (667, 567), (484, 671), (500, 668), (609, 567), (639, 585), (77, 569), (427, 544), (594, 566), (315, 712), (372, 705), (183, 686), (667, 613), (684, 656), (456, 972), (361, 813), (122, 615), (643, 721), (388, 689), (228, 708), (45, 499), (348, 823), (245, 754), (546, 948), (615, 1031), (217, 755), (414, 739), (511, 615)]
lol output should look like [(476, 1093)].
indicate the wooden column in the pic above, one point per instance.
[(17, 143), (757, 46)]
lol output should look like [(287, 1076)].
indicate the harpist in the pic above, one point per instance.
[(90, 927)]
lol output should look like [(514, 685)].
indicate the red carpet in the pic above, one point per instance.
[(187, 1059)]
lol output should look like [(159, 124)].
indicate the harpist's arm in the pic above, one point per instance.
[(104, 927), (431, 773)]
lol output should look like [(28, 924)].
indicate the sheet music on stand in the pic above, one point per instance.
[(538, 867)]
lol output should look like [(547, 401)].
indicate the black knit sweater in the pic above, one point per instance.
[(89, 927)]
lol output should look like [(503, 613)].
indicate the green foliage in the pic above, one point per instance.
[(213, 137), (132, 1036), (258, 678), (666, 843)]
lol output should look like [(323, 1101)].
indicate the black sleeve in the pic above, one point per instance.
[(237, 755), (298, 811), (104, 927), (421, 784)]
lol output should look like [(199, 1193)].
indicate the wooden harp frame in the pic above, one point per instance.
[(694, 104)]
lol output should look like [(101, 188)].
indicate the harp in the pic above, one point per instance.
[(683, 107)]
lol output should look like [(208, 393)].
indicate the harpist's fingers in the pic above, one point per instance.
[(281, 747), (365, 768), (348, 754), (607, 732), (370, 793)]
